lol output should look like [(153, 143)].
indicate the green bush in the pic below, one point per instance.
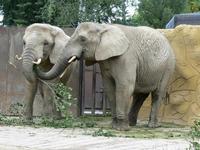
[(102, 132), (195, 134), (63, 99), (17, 109)]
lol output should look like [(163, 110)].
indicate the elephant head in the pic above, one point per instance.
[(41, 42), (97, 42)]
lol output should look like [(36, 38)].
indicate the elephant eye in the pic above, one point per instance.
[(24, 43), (46, 43), (83, 39)]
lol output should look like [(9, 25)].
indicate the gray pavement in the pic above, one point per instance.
[(27, 138)]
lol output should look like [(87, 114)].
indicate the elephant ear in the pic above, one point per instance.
[(60, 40), (113, 43)]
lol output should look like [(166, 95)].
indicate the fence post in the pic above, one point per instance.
[(94, 89), (81, 88)]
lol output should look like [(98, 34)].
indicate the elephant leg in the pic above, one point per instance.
[(157, 97), (138, 100), (30, 92), (123, 105), (109, 89)]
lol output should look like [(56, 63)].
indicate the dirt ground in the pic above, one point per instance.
[(100, 137)]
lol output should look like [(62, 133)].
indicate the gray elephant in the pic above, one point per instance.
[(134, 62), (42, 46)]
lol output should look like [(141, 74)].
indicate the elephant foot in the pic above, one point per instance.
[(152, 124), (114, 123), (28, 120), (28, 116), (56, 115), (132, 122), (120, 125)]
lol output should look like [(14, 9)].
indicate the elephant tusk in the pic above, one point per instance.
[(37, 62), (62, 74), (71, 59), (18, 58), (12, 64)]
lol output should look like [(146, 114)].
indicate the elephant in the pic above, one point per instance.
[(42, 46), (134, 62)]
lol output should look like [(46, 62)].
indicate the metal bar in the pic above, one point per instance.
[(104, 103), (81, 88), (94, 90)]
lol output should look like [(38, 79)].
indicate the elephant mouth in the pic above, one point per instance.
[(36, 62)]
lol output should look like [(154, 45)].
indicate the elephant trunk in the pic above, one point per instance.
[(55, 71), (27, 65)]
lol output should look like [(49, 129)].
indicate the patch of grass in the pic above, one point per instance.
[(195, 145), (13, 121), (64, 123), (195, 130), (99, 126), (17, 109), (195, 135), (143, 132), (140, 131), (48, 122), (103, 132)]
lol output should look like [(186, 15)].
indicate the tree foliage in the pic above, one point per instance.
[(158, 12), (63, 12), (99, 10), (70, 12), (155, 13), (21, 12), (194, 5)]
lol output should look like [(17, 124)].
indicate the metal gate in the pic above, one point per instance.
[(91, 95)]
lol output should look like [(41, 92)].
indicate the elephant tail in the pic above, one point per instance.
[(167, 98)]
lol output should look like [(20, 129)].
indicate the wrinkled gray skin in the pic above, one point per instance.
[(46, 42), (134, 62)]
